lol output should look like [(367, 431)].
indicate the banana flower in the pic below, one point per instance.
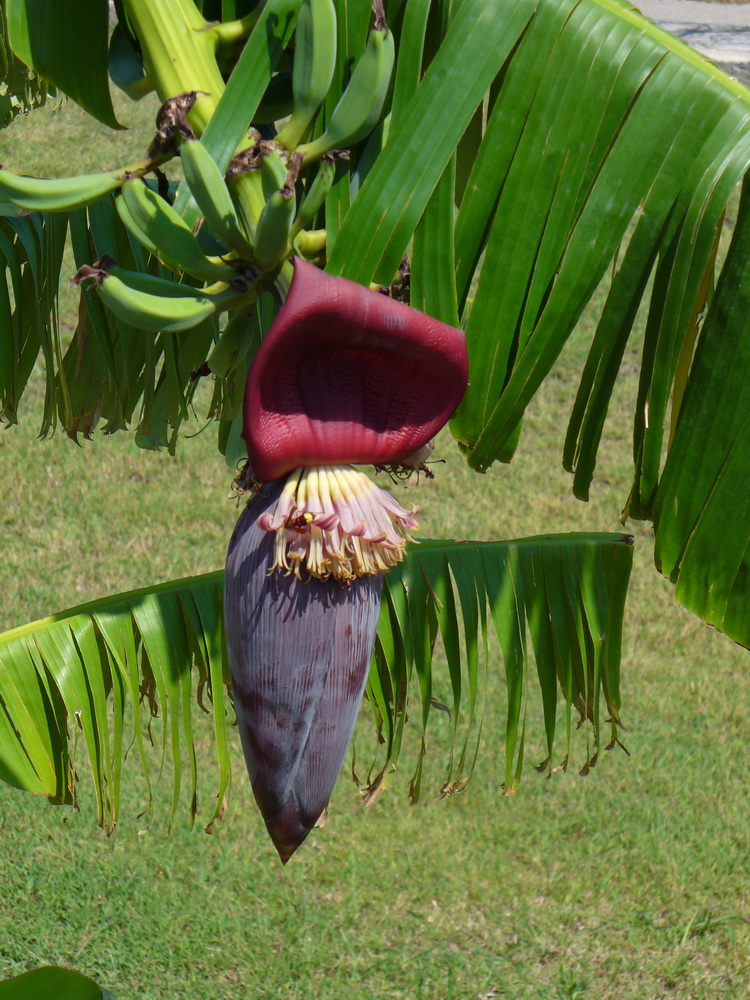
[(345, 376)]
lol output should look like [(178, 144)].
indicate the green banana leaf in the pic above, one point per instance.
[(66, 43), (20, 90), (52, 981), (113, 676), (608, 158)]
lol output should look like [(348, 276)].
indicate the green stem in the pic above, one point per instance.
[(178, 53), (227, 34)]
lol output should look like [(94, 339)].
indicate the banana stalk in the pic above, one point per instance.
[(179, 54)]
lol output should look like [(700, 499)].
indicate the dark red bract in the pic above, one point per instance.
[(348, 376)]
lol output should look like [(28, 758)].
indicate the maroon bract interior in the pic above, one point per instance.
[(347, 375)]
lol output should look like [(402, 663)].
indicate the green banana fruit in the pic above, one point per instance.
[(272, 233), (38, 194), (166, 234), (125, 67), (311, 242), (211, 194), (274, 225), (273, 172), (159, 313), (362, 103), (153, 285), (315, 196), (313, 68)]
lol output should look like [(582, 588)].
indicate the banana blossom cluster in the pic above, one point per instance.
[(345, 376)]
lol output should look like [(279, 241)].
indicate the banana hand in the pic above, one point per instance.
[(313, 68), (160, 313), (362, 103), (211, 194), (164, 233)]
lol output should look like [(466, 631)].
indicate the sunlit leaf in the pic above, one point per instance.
[(116, 668), (50, 981), (66, 42)]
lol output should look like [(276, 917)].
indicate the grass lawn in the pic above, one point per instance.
[(629, 884)]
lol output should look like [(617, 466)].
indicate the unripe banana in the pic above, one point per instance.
[(273, 172), (274, 226), (159, 313), (272, 234), (311, 242), (127, 220), (315, 196), (206, 183), (313, 68), (125, 67), (361, 104), (162, 231), (64, 194), (153, 285)]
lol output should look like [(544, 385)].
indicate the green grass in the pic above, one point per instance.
[(626, 885)]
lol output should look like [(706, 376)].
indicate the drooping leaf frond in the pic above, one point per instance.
[(31, 252), (66, 44), (102, 678), (702, 527), (130, 659), (20, 88), (599, 142), (109, 374), (562, 594)]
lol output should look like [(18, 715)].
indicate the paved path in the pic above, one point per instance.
[(720, 31)]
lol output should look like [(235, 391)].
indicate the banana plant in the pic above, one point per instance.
[(388, 218)]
